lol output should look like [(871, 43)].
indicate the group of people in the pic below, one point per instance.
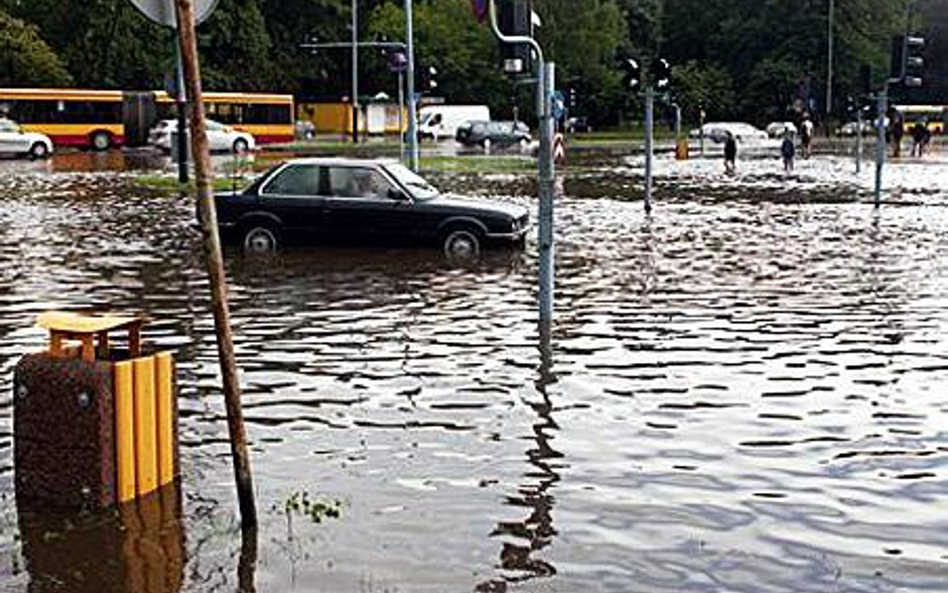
[(921, 135), (788, 148)]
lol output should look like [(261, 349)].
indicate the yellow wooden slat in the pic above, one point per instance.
[(164, 392), (146, 453), (124, 431)]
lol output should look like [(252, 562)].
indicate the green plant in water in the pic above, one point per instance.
[(299, 503)]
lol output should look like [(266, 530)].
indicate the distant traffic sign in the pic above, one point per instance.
[(559, 105), (162, 11), (480, 8)]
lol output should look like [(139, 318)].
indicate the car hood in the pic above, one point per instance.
[(483, 206)]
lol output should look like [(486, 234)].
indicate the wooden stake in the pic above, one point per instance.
[(215, 264)]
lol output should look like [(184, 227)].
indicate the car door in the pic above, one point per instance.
[(10, 138), (293, 196), (364, 208)]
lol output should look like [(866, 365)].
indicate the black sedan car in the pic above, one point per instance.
[(493, 133), (318, 200)]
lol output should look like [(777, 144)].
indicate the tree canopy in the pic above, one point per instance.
[(737, 58)]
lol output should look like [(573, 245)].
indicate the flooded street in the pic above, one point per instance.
[(743, 393)]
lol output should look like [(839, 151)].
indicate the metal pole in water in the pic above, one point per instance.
[(880, 143), (401, 115), (649, 117), (182, 106), (410, 76), (545, 87), (859, 140), (215, 266)]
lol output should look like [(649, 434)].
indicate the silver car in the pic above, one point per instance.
[(220, 138), (13, 140)]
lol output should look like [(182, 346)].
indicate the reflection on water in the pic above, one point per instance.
[(743, 392), (139, 548)]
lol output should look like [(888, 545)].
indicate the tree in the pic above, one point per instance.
[(25, 59), (701, 86)]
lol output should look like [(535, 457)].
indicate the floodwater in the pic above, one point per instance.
[(741, 393)]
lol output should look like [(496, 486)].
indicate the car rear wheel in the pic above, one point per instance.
[(39, 151), (260, 239), (101, 141), (240, 146), (462, 245)]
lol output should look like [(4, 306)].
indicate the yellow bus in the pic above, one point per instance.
[(934, 116), (100, 119)]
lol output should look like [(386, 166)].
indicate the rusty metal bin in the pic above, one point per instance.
[(93, 425)]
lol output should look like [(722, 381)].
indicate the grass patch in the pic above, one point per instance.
[(170, 183), (477, 164)]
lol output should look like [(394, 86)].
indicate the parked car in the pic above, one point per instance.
[(13, 140), (493, 133), (718, 131), (442, 121), (778, 129), (221, 138), (303, 129), (850, 129), (578, 125), (323, 200)]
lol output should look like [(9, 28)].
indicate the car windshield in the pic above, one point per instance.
[(419, 188)]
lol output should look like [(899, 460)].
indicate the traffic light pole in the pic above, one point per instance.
[(546, 83), (649, 145), (858, 139), (883, 106), (410, 75)]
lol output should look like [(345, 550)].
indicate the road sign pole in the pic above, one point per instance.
[(401, 115), (649, 149), (355, 71), (214, 260)]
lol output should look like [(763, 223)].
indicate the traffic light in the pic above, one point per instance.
[(428, 81), (515, 18), (914, 62), (663, 74), (632, 78), (572, 99), (907, 63)]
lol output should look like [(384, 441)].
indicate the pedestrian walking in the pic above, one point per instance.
[(918, 137), (926, 138), (806, 136), (898, 131), (730, 154), (788, 151)]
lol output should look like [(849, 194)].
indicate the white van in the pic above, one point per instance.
[(443, 121)]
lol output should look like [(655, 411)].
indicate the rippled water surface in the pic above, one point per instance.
[(745, 392)]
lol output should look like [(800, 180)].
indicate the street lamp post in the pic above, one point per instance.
[(410, 77), (355, 70)]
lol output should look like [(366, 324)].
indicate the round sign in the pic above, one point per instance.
[(480, 8), (162, 11)]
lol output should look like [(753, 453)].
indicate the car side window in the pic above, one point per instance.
[(357, 182), (295, 180)]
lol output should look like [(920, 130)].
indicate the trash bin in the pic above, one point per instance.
[(93, 425)]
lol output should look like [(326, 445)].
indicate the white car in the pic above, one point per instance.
[(14, 140), (220, 138), (718, 131), (778, 129)]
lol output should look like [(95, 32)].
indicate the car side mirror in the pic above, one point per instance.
[(398, 195)]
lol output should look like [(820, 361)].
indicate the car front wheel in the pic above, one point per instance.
[(462, 245), (240, 146), (259, 239)]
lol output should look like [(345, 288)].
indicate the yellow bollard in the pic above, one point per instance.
[(146, 433), (124, 430), (164, 392)]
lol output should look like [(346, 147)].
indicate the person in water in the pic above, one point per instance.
[(730, 154), (788, 151)]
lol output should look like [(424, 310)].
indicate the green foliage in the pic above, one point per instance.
[(699, 86), (316, 510), (25, 59)]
